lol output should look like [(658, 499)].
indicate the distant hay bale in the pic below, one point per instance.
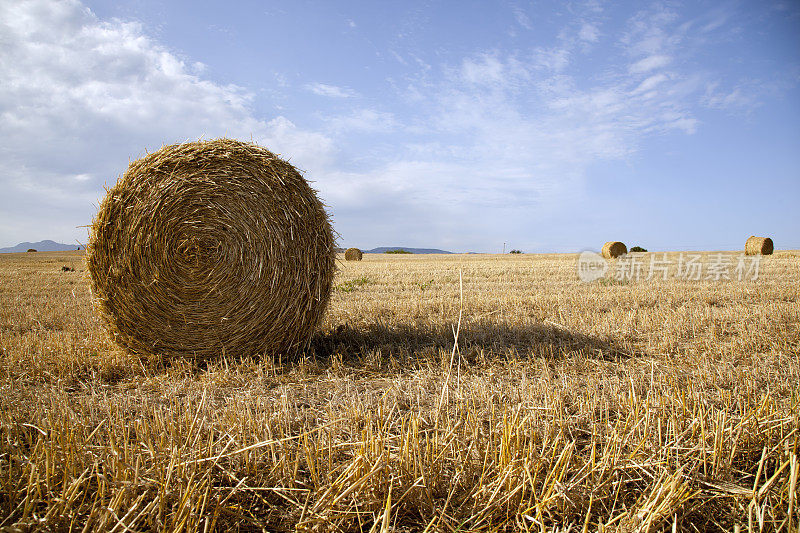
[(31, 249), (614, 249), (210, 248), (758, 246), (353, 254)]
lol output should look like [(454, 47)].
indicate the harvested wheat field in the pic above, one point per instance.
[(441, 393)]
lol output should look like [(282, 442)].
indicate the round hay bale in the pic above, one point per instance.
[(614, 249), (353, 254), (758, 246), (210, 248)]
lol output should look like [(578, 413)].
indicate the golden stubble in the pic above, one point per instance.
[(616, 405)]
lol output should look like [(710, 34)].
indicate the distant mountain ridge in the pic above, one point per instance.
[(41, 246), (384, 249)]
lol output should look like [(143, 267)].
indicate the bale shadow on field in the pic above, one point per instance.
[(477, 340), (545, 340)]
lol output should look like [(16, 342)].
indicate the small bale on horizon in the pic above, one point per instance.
[(353, 254), (758, 246), (613, 249)]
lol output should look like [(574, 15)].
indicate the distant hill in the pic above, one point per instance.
[(41, 246), (384, 249)]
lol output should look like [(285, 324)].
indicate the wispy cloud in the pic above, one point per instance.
[(331, 91), (650, 83), (553, 59), (487, 69), (502, 130), (362, 120), (522, 18), (649, 63), (501, 109), (745, 96), (653, 31), (588, 32)]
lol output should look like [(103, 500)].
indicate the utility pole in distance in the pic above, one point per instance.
[(504, 247)]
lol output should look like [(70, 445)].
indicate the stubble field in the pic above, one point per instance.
[(617, 405)]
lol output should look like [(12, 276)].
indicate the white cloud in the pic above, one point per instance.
[(498, 132), (527, 117), (742, 97), (502, 131), (488, 70), (522, 18), (554, 59), (649, 63), (591, 6), (198, 68), (485, 69), (650, 32), (81, 97), (331, 91), (363, 120), (651, 83), (687, 124), (717, 19), (398, 57), (588, 33)]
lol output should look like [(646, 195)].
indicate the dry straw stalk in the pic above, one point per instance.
[(353, 254), (758, 246), (211, 247), (614, 249)]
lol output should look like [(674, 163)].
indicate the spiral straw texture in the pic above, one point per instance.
[(209, 248)]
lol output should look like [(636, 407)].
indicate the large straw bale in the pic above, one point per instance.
[(209, 248)]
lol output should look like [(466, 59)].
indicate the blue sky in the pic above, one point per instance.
[(548, 126)]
